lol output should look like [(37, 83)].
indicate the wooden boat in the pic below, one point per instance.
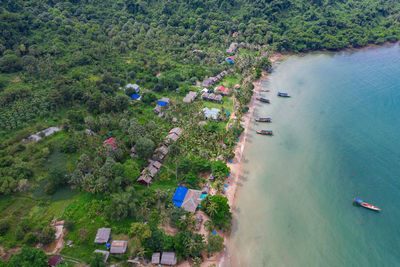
[(263, 119), (262, 99), (265, 132), (366, 205), (283, 94), (264, 90)]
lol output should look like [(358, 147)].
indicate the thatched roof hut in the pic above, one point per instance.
[(168, 258), (155, 258), (102, 236), (118, 247)]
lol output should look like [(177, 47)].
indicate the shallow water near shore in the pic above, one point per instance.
[(337, 138)]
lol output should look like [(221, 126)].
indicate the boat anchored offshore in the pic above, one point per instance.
[(265, 132), (283, 94), (264, 90), (262, 99), (263, 119), (366, 205)]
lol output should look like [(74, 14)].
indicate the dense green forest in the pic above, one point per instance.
[(65, 64)]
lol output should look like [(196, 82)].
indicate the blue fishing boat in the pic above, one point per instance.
[(366, 205), (283, 94)]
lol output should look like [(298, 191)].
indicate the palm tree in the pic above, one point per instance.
[(211, 209)]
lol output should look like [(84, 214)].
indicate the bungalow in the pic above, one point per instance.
[(192, 200), (199, 219), (102, 236), (118, 247), (232, 48), (212, 97), (133, 86), (155, 258), (168, 258), (191, 96), (172, 136), (55, 260), (144, 179), (105, 253), (160, 153), (176, 130), (206, 188), (211, 113), (209, 82)]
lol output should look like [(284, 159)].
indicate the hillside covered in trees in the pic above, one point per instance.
[(65, 64)]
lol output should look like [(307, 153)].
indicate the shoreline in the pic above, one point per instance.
[(221, 259)]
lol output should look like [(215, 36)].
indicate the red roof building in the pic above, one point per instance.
[(55, 260), (221, 90), (110, 141)]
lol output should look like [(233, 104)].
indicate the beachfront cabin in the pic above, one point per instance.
[(104, 252), (118, 246), (168, 258), (192, 200), (179, 196), (133, 86), (102, 236), (206, 188), (230, 60)]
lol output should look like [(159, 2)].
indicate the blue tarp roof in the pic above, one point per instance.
[(135, 97), (162, 103), (179, 196)]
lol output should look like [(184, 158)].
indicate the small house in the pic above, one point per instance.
[(144, 179), (160, 153), (211, 113), (163, 102), (191, 96), (221, 90), (135, 97), (192, 200), (199, 219), (206, 188), (104, 252), (118, 247), (179, 196), (110, 141), (155, 258), (176, 130), (55, 260), (133, 86), (168, 258), (230, 60), (232, 48), (102, 236)]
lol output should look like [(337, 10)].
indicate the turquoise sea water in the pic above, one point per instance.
[(337, 138)]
